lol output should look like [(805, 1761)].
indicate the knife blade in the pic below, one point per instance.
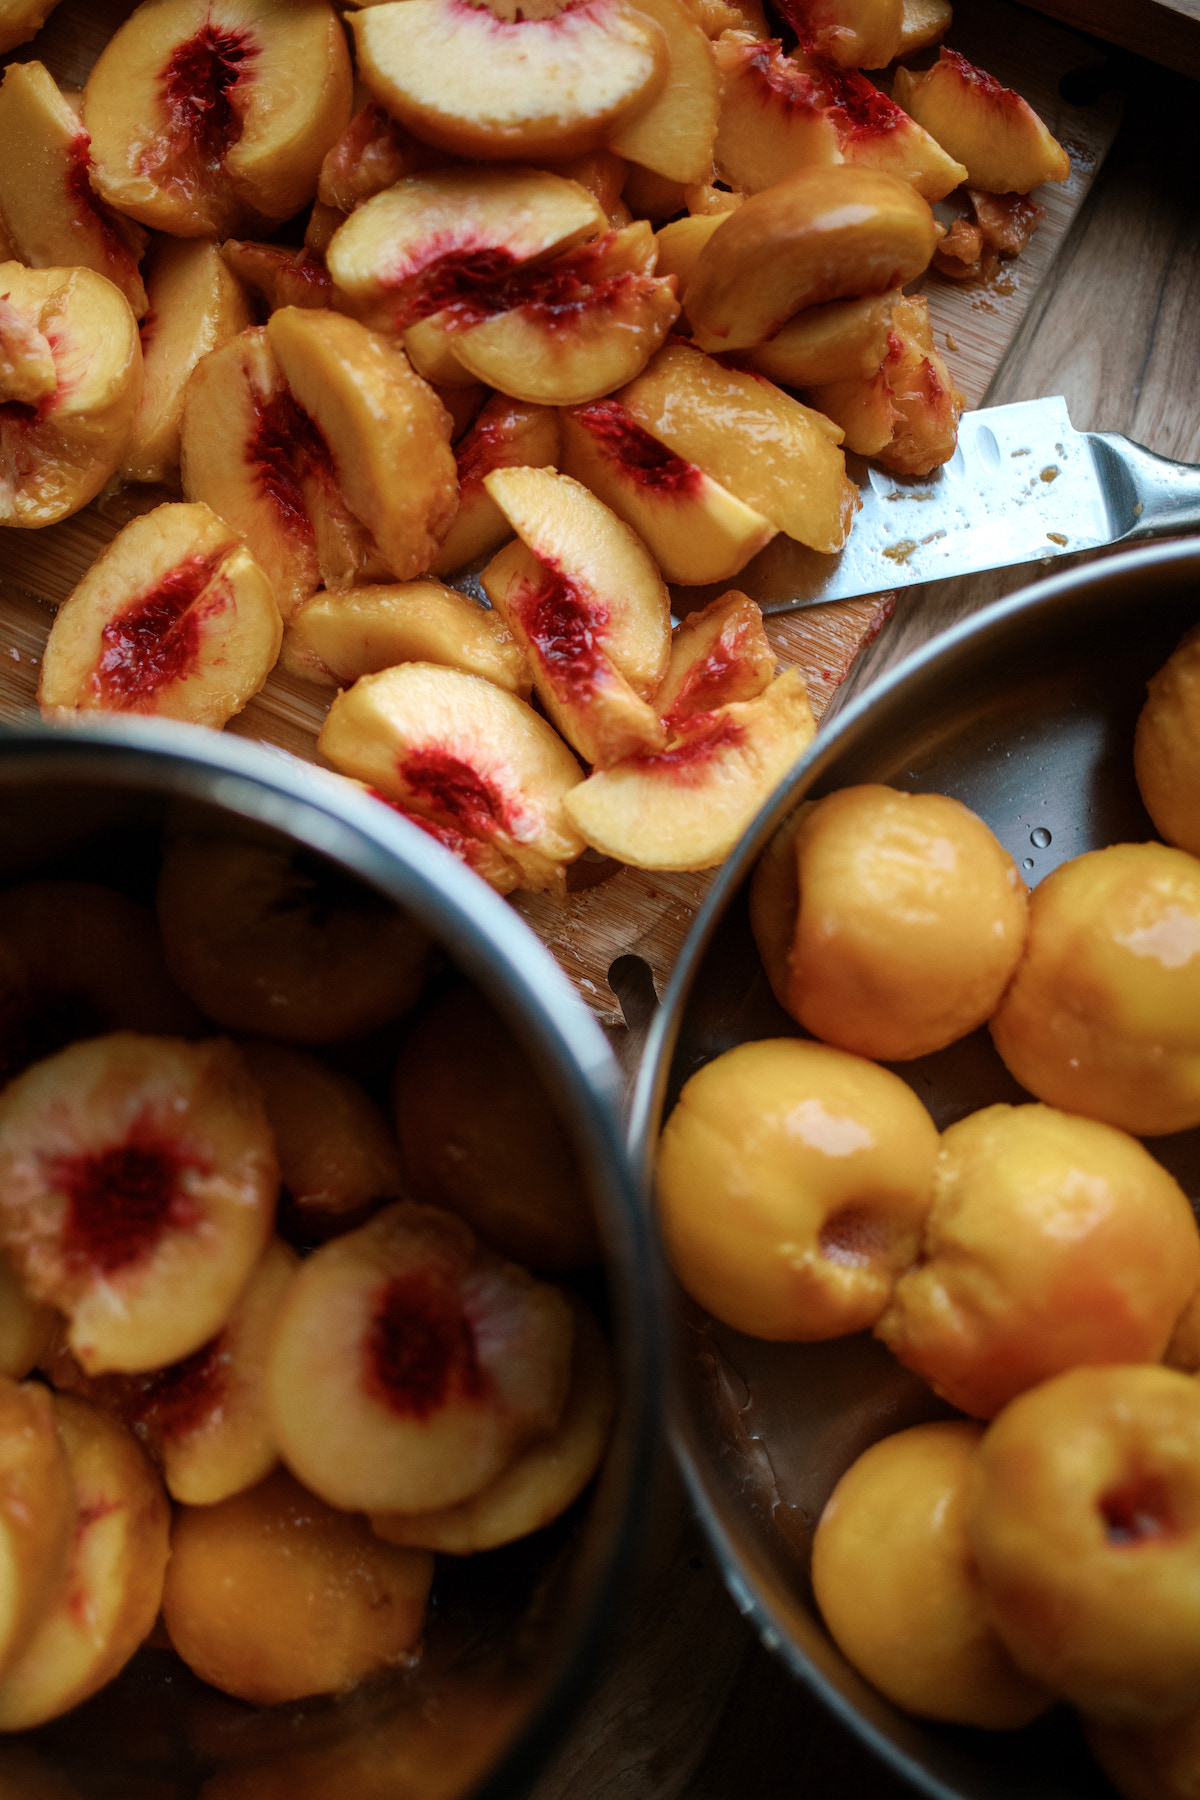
[(1022, 485)]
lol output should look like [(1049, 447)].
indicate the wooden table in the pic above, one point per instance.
[(691, 1705)]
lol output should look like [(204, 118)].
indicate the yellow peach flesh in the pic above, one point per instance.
[(335, 638), (674, 135), (506, 434), (857, 34), (842, 340), (772, 119), (22, 19), (983, 125), (37, 1515), (718, 655)]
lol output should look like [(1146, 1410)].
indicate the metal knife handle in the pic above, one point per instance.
[(1147, 495)]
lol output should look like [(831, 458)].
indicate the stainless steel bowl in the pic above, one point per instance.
[(513, 1634), (1025, 713)]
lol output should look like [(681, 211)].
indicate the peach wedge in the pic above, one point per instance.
[(686, 807), (506, 434), (37, 1514), (335, 638), (841, 341), (718, 654), (988, 127), (855, 34), (493, 82), (174, 618), (674, 135)]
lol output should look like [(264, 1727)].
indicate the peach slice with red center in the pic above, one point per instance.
[(543, 1481), (774, 454), (274, 1596), (582, 596), (856, 34), (438, 238), (907, 413), (373, 153), (272, 939), (338, 1159), (37, 1514), (57, 453), (278, 276), (335, 638), (876, 133), (718, 655), (211, 116), (174, 618), (139, 1181), (843, 340), (203, 1420), (823, 234), (411, 1365), (196, 304), (465, 755), (982, 124), (674, 134), (693, 527), (22, 19), (773, 120), (114, 1579), (483, 859), (686, 807), (506, 434), (52, 217), (512, 82)]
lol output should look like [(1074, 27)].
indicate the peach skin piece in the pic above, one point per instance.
[(823, 234), (1004, 145), (335, 638), (674, 135), (488, 82)]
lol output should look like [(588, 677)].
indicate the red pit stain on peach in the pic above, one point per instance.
[(565, 627), (420, 1351), (650, 463), (856, 105), (450, 278), (1138, 1513), (791, 88), (179, 1399), (284, 445), (713, 682), (479, 452), (157, 639), (853, 1238), (559, 291), (451, 786), (122, 1201), (199, 87), (84, 200), (707, 736)]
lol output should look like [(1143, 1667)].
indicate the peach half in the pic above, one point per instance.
[(211, 116), (51, 215), (582, 596), (696, 530), (997, 136), (411, 1364), (822, 234), (175, 618), (1166, 746), (685, 807), (674, 135), (57, 451), (506, 434), (510, 82), (139, 1183), (773, 454), (335, 638), (467, 756)]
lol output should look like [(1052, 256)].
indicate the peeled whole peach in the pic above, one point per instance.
[(1166, 746), (1052, 1241), (792, 1184), (335, 638), (987, 127), (893, 1577), (1100, 1018), (911, 921), (1083, 1510)]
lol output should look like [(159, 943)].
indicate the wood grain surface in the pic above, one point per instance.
[(1166, 31)]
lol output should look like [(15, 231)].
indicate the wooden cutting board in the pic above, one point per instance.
[(611, 911)]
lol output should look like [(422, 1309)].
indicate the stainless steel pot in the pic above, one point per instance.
[(515, 1633), (1026, 713)]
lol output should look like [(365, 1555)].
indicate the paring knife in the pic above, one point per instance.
[(1022, 485)]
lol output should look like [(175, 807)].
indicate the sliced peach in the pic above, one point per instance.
[(584, 599), (335, 638), (775, 455), (411, 1365), (863, 409), (323, 221), (543, 1481), (338, 1160), (27, 371), (686, 807), (694, 528), (773, 120), (437, 238), (718, 654), (823, 234), (273, 1596), (674, 134), (502, 1161), (464, 754), (483, 859), (716, 17), (388, 435), (139, 1187), (114, 1580), (925, 22), (989, 128), (876, 133), (28, 1330), (708, 198), (651, 196), (280, 277), (680, 243), (843, 340), (856, 34), (56, 454), (210, 118), (174, 618), (37, 1515), (491, 81), (602, 172), (464, 404), (506, 434), (52, 217), (202, 1420), (430, 349), (271, 939), (196, 304), (928, 405), (22, 19), (372, 153)]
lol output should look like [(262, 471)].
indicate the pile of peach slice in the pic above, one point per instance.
[(267, 1385), (470, 356)]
